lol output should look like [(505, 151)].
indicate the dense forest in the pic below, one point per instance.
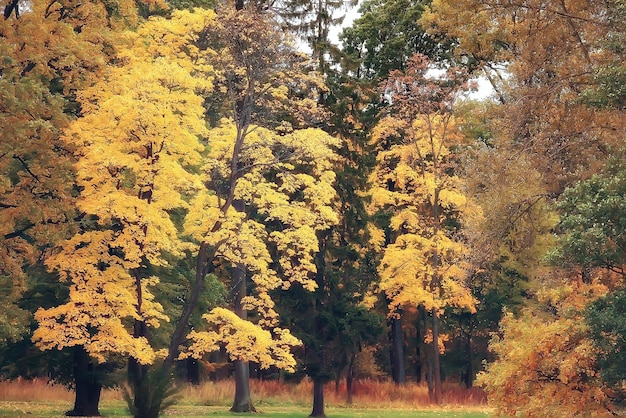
[(195, 182)]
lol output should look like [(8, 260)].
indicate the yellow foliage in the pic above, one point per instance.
[(443, 338), (299, 197), (138, 141), (423, 264), (244, 340)]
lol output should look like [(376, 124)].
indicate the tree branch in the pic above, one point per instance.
[(26, 167)]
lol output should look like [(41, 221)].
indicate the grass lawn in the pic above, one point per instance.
[(118, 409)]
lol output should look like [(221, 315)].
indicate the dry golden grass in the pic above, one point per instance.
[(33, 390), (367, 394)]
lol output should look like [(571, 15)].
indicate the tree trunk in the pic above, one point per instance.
[(398, 370), (437, 392), (318, 399), (469, 371), (88, 386), (242, 402), (419, 343), (350, 380), (193, 371)]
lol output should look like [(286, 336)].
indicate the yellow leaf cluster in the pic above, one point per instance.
[(100, 302), (288, 180), (244, 340), (424, 264)]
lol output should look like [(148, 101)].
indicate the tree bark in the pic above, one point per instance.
[(437, 391), (398, 370), (88, 387), (469, 371), (242, 402), (193, 371), (419, 343), (350, 380), (318, 399)]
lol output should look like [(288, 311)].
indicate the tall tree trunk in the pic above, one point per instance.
[(350, 380), (242, 402), (398, 371), (437, 391), (419, 343), (87, 386), (435, 286), (469, 371), (318, 399)]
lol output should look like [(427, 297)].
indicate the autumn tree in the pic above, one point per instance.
[(51, 50), (415, 182), (262, 83), (46, 59), (545, 362), (136, 140), (510, 232), (547, 54), (286, 195)]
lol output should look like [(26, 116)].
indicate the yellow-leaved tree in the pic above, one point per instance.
[(49, 50), (283, 198), (268, 181), (415, 186), (137, 143)]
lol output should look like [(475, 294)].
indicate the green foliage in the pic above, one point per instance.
[(152, 394), (387, 34), (609, 90), (607, 320), (594, 221)]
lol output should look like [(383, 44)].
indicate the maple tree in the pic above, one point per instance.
[(137, 139), (415, 183), (370, 51), (286, 193), (262, 84)]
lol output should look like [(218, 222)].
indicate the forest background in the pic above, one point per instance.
[(185, 194)]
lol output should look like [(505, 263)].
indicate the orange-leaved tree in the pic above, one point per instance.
[(415, 185), (546, 359)]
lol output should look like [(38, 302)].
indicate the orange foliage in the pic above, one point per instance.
[(545, 364)]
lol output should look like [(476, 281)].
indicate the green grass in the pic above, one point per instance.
[(118, 409)]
